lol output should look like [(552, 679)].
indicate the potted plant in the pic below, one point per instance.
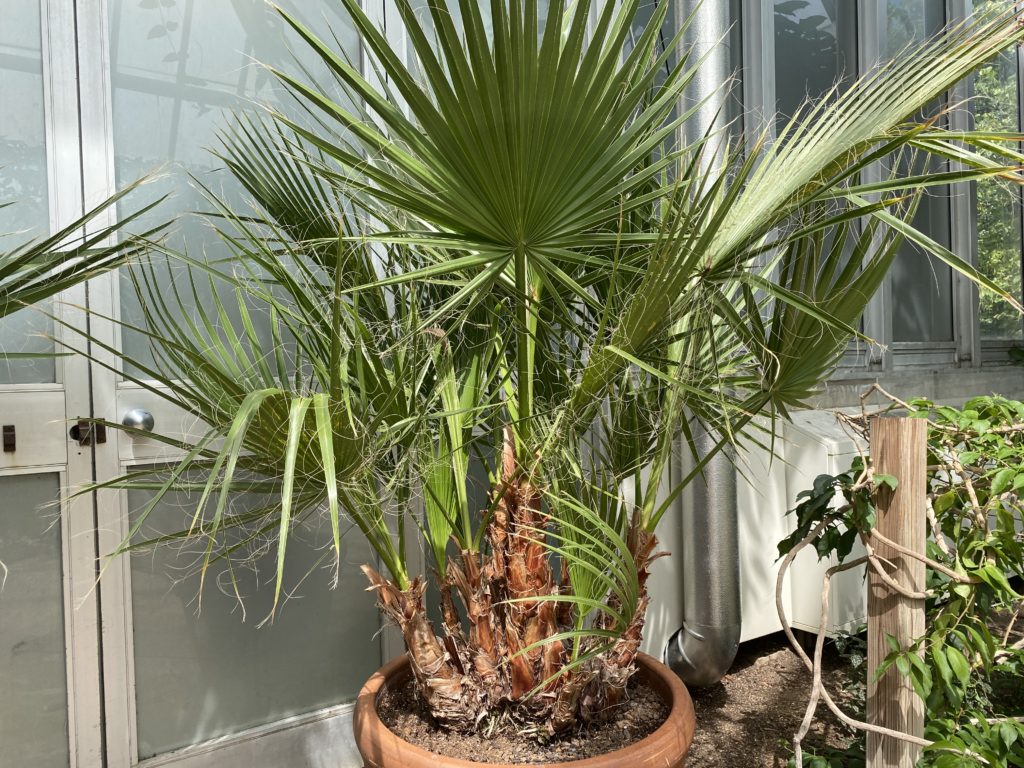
[(499, 256)]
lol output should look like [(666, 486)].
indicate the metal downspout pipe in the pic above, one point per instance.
[(703, 649)]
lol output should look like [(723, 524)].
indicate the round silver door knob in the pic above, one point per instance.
[(139, 419)]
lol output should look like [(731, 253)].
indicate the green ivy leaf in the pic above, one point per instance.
[(939, 659), (958, 663), (993, 575), (920, 675), (1002, 481), (883, 667), (826, 543), (1008, 733), (903, 664), (823, 484), (883, 479), (845, 543), (947, 760), (944, 502)]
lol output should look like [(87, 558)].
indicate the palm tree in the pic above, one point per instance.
[(501, 257)]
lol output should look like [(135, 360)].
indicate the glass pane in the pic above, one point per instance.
[(34, 703), (178, 69), (22, 135), (203, 674), (922, 287), (999, 203), (27, 331), (815, 45), (23, 178)]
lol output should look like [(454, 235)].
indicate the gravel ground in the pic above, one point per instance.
[(750, 717)]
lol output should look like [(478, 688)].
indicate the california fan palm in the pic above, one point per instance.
[(502, 259)]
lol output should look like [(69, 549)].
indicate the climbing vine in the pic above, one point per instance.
[(973, 641)]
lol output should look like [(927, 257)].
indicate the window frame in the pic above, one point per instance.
[(966, 350)]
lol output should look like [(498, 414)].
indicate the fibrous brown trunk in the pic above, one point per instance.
[(499, 664), (437, 678)]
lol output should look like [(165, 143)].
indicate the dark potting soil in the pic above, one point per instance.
[(402, 711)]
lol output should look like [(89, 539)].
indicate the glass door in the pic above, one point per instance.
[(50, 710), (190, 679)]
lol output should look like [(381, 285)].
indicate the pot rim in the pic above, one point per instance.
[(677, 726)]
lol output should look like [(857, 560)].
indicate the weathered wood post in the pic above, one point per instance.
[(898, 448)]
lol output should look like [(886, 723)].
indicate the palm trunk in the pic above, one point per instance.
[(439, 682), (502, 667)]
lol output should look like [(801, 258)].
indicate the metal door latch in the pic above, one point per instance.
[(10, 438), (88, 433)]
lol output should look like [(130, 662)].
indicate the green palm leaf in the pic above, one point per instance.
[(46, 266)]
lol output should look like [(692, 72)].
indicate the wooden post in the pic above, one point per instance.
[(898, 448)]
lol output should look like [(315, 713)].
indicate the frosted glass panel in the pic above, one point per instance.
[(178, 69), (22, 137), (33, 702), (199, 675), (27, 332), (23, 178)]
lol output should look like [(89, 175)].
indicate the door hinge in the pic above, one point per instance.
[(10, 438), (88, 433)]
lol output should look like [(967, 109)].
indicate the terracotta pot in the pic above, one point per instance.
[(665, 748)]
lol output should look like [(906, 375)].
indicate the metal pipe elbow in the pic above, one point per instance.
[(702, 655)]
